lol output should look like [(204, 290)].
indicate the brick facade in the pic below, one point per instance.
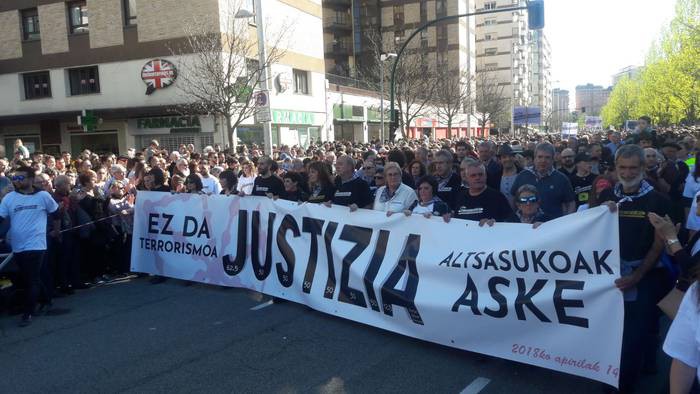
[(106, 21), (164, 19), (54, 28), (10, 35)]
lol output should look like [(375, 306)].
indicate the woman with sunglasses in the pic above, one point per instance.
[(527, 203)]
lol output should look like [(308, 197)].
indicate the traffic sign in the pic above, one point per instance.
[(261, 99), (262, 114)]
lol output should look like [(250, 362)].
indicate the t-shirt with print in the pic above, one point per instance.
[(490, 204), (355, 191), (636, 232), (271, 184), (582, 187), (28, 215)]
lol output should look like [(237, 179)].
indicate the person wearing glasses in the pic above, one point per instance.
[(395, 196), (28, 210), (527, 205)]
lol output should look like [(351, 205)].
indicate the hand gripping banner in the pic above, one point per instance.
[(542, 296)]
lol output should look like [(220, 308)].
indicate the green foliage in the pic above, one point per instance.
[(668, 88)]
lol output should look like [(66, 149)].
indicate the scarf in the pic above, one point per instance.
[(644, 188), (385, 194), (537, 174)]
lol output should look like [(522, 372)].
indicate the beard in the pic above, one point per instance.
[(633, 183)]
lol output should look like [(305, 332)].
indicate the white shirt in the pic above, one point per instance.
[(210, 185), (692, 185), (400, 201), (419, 209), (245, 184), (683, 338), (693, 222), (28, 215)]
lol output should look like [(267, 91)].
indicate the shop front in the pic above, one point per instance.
[(374, 123), (348, 122), (173, 131), (295, 127)]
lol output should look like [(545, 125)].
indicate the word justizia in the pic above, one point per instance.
[(360, 236)]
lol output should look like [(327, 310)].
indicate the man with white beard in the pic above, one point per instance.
[(642, 278)]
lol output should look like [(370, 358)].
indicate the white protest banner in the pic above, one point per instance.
[(542, 296)]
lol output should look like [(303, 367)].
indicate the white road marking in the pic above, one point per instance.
[(476, 386), (263, 305)]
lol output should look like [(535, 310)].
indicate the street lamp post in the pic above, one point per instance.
[(382, 58), (262, 60)]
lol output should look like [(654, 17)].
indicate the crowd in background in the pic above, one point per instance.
[(522, 180)]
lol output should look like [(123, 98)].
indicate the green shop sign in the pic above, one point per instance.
[(169, 122), (293, 117)]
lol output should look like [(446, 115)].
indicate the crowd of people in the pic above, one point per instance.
[(71, 218)]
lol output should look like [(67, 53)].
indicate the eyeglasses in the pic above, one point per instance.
[(527, 200), (18, 178), (378, 177)]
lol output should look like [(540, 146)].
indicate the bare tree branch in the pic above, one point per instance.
[(454, 95), (489, 100)]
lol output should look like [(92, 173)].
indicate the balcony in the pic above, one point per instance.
[(341, 3), (340, 21), (340, 48)]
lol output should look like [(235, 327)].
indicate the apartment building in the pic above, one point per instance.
[(505, 52), (112, 59), (560, 108), (541, 74), (590, 99), (629, 72), (352, 28)]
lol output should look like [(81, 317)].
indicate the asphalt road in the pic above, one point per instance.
[(132, 336)]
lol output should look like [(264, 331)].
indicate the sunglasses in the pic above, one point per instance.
[(18, 178), (527, 200)]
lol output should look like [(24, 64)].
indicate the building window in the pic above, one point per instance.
[(440, 8), (398, 15), (423, 11), (490, 51), (30, 24), (84, 81), (490, 21), (488, 37), (78, 12), (491, 5), (301, 81), (399, 36), (490, 66), (130, 12), (37, 85)]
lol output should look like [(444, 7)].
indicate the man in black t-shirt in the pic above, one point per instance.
[(582, 178), (448, 181), (266, 184), (568, 162), (480, 202), (351, 191), (641, 279)]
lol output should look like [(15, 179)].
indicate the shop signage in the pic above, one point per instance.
[(158, 74), (293, 117), (171, 124), (284, 82)]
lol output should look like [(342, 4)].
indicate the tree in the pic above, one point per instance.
[(415, 85), (489, 100), (622, 103), (219, 72), (454, 95)]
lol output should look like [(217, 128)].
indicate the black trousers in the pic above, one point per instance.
[(29, 264)]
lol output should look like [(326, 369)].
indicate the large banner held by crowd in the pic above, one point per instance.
[(541, 296)]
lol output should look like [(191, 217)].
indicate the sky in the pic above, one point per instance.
[(593, 39)]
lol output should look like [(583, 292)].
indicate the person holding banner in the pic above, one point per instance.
[(395, 196), (480, 202), (320, 185), (428, 204), (639, 251), (351, 191), (528, 204), (292, 188), (266, 183), (229, 183)]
